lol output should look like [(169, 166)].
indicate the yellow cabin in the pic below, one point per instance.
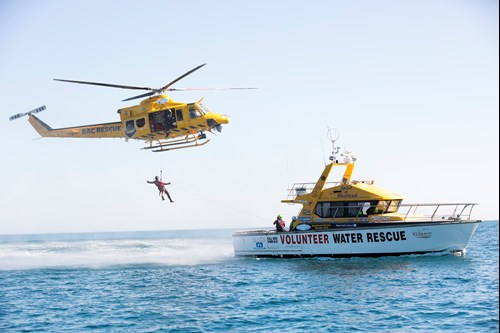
[(347, 201)]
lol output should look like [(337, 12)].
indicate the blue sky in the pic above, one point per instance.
[(412, 86)]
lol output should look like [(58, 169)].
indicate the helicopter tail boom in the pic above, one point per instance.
[(108, 130)]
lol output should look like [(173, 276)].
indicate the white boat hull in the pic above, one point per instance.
[(354, 241)]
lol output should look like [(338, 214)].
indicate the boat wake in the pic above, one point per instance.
[(106, 253)]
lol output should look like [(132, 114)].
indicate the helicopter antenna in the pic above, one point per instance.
[(333, 136)]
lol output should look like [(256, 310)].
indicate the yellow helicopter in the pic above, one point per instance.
[(159, 120)]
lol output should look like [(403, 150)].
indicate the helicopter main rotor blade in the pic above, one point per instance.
[(187, 89), (106, 84), (152, 91), (139, 96), (181, 77)]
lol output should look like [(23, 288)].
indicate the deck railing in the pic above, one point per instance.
[(439, 212), (436, 212), (412, 213), (304, 188), (404, 213)]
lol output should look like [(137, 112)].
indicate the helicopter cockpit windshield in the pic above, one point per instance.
[(203, 108), (194, 112)]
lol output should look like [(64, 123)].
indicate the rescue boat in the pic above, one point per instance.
[(353, 218)]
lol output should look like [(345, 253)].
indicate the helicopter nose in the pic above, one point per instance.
[(223, 119), (220, 119)]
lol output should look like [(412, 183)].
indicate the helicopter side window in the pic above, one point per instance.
[(140, 122), (178, 114), (194, 113)]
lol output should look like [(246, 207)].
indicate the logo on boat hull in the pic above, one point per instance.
[(422, 234), (303, 227)]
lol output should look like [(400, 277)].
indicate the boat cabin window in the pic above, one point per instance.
[(394, 206), (355, 208), (338, 209), (329, 209), (384, 206)]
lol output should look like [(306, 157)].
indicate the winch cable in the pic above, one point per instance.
[(206, 198), (218, 203)]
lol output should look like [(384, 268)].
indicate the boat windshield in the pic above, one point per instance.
[(387, 206)]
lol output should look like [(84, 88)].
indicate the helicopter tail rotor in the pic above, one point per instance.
[(19, 115)]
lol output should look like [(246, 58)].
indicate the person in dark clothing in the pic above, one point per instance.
[(292, 222)]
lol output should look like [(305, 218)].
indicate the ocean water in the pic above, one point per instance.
[(189, 281)]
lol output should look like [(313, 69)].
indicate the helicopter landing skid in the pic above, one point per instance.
[(166, 145)]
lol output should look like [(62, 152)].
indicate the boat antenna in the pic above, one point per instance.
[(333, 136)]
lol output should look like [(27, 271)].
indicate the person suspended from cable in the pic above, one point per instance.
[(161, 187)]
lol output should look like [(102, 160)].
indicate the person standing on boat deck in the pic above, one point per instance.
[(294, 218), (161, 187), (279, 223)]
